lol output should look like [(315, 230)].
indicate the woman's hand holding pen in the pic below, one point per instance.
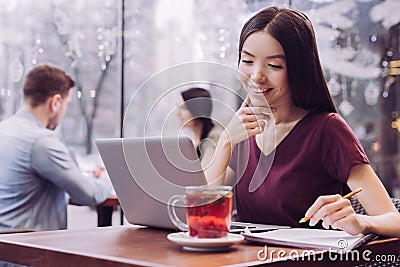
[(335, 211), (247, 121)]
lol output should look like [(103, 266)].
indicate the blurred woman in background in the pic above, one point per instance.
[(194, 113)]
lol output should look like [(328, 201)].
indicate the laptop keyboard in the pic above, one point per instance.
[(242, 227), (238, 227)]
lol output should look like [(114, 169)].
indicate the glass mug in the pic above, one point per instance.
[(208, 211)]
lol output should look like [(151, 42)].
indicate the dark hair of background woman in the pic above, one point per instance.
[(198, 101)]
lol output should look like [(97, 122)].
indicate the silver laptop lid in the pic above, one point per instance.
[(147, 171)]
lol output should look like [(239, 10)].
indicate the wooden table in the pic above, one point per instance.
[(134, 246), (105, 211), (111, 201)]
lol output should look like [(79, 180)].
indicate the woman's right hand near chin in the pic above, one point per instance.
[(246, 122)]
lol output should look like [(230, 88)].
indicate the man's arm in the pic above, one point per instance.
[(51, 160)]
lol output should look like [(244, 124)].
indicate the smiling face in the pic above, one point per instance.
[(184, 115), (265, 72)]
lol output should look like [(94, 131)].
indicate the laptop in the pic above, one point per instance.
[(146, 171)]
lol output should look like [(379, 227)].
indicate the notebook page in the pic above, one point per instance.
[(308, 238)]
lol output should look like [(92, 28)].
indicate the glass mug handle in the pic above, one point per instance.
[(172, 212)]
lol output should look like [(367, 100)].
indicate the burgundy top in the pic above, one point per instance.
[(313, 159)]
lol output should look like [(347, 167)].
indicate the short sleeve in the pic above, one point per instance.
[(341, 149), (206, 144), (212, 139), (233, 159)]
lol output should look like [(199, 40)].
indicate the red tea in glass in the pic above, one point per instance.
[(209, 214), (208, 211)]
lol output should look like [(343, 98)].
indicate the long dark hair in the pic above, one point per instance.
[(295, 33), (199, 103)]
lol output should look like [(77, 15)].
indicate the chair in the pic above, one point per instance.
[(360, 210)]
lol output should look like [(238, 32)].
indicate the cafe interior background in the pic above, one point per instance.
[(112, 47)]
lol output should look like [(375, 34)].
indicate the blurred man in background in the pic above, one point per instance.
[(37, 173)]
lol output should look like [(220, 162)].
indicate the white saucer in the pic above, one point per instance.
[(204, 244)]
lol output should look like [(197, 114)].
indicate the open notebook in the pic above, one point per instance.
[(310, 238)]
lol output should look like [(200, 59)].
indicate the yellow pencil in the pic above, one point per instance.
[(349, 195)]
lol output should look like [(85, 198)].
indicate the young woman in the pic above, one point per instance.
[(293, 154)]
